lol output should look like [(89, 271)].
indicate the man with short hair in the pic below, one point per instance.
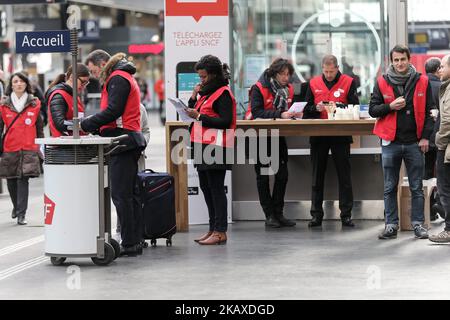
[(330, 88), (401, 100), (443, 153), (120, 115)]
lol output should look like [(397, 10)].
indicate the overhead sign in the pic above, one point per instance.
[(43, 41), (90, 31)]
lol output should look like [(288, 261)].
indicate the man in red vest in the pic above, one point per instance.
[(331, 87), (401, 101), (120, 115)]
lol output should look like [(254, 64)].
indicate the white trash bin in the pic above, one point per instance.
[(77, 199)]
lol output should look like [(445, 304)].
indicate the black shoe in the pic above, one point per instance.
[(131, 251), (21, 220), (438, 209), (347, 222), (13, 214), (390, 232), (273, 222), (285, 222), (315, 222), (420, 231)]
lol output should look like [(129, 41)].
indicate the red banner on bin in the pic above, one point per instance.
[(49, 210)]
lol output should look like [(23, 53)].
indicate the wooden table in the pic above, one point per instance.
[(178, 167)]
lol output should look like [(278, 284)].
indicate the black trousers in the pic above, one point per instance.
[(443, 184), (18, 191), (123, 169), (162, 116), (273, 203), (212, 183), (341, 157), (430, 163)]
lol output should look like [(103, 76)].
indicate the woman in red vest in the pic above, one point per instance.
[(270, 98), (213, 107), (20, 124), (59, 99)]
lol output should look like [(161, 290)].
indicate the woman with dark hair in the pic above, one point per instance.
[(213, 107), (59, 97), (270, 98), (20, 124)]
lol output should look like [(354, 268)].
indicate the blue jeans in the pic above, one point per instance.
[(392, 156)]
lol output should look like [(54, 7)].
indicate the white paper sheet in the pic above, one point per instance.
[(180, 107), (297, 107)]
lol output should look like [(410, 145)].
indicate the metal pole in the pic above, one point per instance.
[(74, 50), (383, 36)]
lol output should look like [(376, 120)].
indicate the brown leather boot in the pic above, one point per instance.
[(204, 236), (215, 238)]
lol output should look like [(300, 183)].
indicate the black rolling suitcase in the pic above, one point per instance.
[(158, 205)]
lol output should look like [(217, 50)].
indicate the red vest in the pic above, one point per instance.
[(338, 93), (131, 117), (386, 127), (69, 114), (23, 132), (268, 99), (204, 135)]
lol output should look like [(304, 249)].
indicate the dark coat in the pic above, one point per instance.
[(21, 163), (223, 106), (58, 106)]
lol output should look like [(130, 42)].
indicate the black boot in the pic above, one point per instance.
[(347, 222), (315, 222), (21, 220), (273, 222)]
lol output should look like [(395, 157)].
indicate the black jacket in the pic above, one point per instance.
[(435, 83), (257, 100), (406, 125), (223, 106), (118, 90), (310, 111), (58, 106)]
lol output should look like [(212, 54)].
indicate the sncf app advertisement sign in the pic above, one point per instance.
[(193, 28)]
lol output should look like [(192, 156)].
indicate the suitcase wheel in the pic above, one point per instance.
[(153, 242), (57, 261), (144, 244), (169, 242)]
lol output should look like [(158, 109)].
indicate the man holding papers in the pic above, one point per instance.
[(328, 89), (270, 98)]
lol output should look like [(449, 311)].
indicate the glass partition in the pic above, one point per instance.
[(303, 31)]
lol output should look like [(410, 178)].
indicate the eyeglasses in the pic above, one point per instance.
[(83, 82)]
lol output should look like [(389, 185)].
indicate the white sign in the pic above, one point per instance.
[(192, 29)]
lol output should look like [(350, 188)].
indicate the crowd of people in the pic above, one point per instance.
[(413, 124)]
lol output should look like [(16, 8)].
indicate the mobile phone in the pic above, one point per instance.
[(187, 79)]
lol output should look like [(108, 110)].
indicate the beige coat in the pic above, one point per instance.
[(443, 135)]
